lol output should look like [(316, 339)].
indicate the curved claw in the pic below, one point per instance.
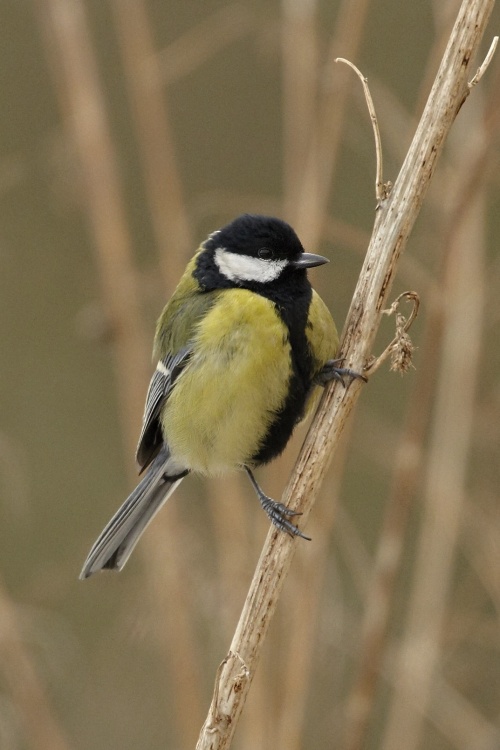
[(279, 516), (278, 513), (331, 371)]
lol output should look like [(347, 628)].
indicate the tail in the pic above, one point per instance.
[(117, 540)]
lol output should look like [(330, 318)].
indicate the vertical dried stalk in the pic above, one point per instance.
[(68, 42), (315, 182), (409, 460), (68, 38), (394, 223), (169, 215), (171, 600), (300, 83), (304, 602), (463, 295), (174, 242), (313, 118), (41, 728)]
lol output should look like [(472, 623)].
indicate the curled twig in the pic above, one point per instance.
[(382, 189), (401, 347)]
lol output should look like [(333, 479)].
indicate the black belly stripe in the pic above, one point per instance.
[(294, 314)]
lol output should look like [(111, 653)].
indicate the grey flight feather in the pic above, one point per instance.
[(160, 388), (116, 542)]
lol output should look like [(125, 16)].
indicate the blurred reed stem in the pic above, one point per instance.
[(410, 462), (76, 71), (41, 729), (198, 44), (314, 187), (304, 599), (69, 48), (381, 589), (418, 663), (310, 118), (300, 79), (164, 553), (149, 103)]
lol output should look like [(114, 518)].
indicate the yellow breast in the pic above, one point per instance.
[(236, 380)]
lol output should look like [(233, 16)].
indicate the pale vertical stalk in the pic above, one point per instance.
[(77, 81), (446, 475), (460, 722), (173, 235), (304, 602), (232, 519), (316, 179), (174, 243), (83, 100), (409, 458), (171, 600), (38, 724), (408, 463), (300, 73), (310, 123)]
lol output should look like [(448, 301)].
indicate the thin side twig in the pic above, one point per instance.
[(382, 189), (485, 64), (393, 225)]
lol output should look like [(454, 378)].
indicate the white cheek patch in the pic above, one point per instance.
[(237, 267)]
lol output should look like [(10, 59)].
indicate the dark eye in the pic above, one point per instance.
[(265, 253)]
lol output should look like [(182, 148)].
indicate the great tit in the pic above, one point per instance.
[(240, 346)]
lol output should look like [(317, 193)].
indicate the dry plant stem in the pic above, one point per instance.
[(445, 493), (299, 46), (28, 694), (165, 581), (407, 464), (374, 364), (409, 459), (77, 81), (191, 50), (304, 600), (485, 64), (381, 190), (420, 656), (149, 105), (164, 568), (394, 222), (310, 159), (315, 181)]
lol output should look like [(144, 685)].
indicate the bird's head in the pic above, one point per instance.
[(253, 250)]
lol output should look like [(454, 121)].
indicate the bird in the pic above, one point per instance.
[(241, 348)]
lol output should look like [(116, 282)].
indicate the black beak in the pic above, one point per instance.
[(309, 260)]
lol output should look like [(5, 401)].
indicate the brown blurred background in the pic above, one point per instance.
[(129, 129)]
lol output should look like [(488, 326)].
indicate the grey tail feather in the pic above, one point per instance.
[(119, 537)]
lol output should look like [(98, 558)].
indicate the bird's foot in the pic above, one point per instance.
[(278, 513), (332, 371)]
